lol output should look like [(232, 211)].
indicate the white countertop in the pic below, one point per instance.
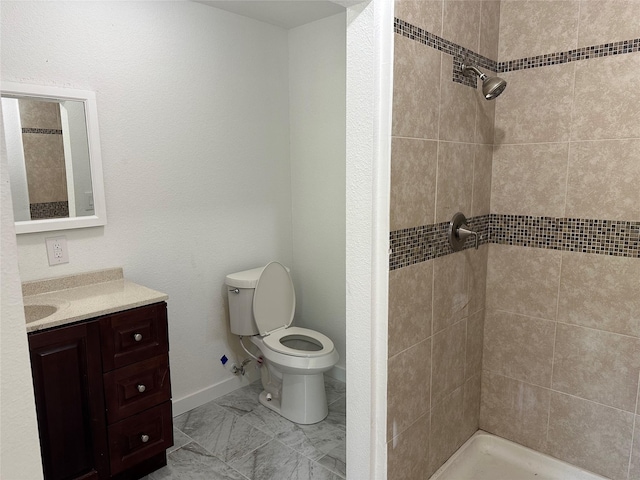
[(84, 296)]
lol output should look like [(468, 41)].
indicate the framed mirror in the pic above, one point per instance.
[(53, 151)]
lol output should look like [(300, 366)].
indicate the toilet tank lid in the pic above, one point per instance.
[(246, 278)]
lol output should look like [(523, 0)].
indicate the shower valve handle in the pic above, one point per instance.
[(463, 233), (458, 232)]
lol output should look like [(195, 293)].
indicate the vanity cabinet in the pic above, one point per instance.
[(103, 395)]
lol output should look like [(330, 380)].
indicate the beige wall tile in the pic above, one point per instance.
[(43, 150), (607, 98), (458, 105), (448, 360), (447, 429), (589, 435), (47, 185), (523, 280), (410, 300), (455, 179), (475, 342), (536, 106), (603, 179), (413, 182), (514, 410), (530, 28), (461, 23), (605, 21), (450, 290), (416, 91), (489, 29), (482, 168), (598, 366), (472, 395), (634, 471), (37, 114), (600, 291), (519, 347), (530, 179), (407, 454), (426, 14), (476, 269), (408, 387)]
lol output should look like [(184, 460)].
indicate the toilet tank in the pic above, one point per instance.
[(240, 288)]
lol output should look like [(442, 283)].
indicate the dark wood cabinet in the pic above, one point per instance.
[(103, 395)]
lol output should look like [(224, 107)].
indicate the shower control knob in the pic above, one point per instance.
[(141, 388), (144, 438), (137, 337)]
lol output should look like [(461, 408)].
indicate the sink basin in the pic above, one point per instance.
[(33, 313)]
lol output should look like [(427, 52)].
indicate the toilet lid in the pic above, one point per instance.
[(274, 299)]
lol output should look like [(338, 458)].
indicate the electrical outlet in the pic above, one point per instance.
[(57, 250)]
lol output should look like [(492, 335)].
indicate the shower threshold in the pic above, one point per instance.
[(488, 457)]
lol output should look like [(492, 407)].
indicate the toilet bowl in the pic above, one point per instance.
[(262, 306)]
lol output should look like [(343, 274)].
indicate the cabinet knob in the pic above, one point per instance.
[(144, 438), (137, 337), (141, 388)]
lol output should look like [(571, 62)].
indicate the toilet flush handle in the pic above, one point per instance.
[(235, 290)]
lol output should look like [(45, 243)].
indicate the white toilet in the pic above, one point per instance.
[(262, 303)]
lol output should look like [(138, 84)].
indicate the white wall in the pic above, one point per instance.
[(317, 112), (19, 446), (193, 112), (79, 148)]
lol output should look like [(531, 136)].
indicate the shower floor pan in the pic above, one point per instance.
[(488, 457)]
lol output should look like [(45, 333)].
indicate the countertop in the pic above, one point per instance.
[(87, 295)]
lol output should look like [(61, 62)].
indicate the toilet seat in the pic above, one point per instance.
[(273, 342)]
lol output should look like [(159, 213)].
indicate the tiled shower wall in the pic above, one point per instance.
[(44, 158), (562, 329), (440, 164), (561, 339)]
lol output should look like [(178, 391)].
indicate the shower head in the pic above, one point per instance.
[(491, 86)]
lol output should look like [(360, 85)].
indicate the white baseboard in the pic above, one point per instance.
[(193, 400), (339, 373)]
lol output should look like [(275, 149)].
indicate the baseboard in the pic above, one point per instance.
[(193, 400), (339, 373)]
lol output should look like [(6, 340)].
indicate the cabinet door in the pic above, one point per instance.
[(67, 381)]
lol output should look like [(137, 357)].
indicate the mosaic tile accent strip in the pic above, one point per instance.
[(584, 53), (44, 210), (419, 244), (604, 237), (47, 131), (458, 52)]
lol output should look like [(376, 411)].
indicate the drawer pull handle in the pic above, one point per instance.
[(144, 438), (141, 388), (137, 337)]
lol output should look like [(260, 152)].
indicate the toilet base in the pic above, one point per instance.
[(302, 399)]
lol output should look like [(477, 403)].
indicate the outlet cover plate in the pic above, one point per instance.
[(57, 250)]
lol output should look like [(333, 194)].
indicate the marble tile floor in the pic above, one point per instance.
[(235, 437)]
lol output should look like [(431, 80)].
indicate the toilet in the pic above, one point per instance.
[(262, 304)]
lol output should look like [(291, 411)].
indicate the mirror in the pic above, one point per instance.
[(53, 151)]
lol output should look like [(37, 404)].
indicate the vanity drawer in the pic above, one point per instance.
[(134, 335), (140, 437), (136, 387)]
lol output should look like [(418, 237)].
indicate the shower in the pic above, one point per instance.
[(491, 86)]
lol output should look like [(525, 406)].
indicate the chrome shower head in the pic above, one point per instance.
[(491, 86)]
